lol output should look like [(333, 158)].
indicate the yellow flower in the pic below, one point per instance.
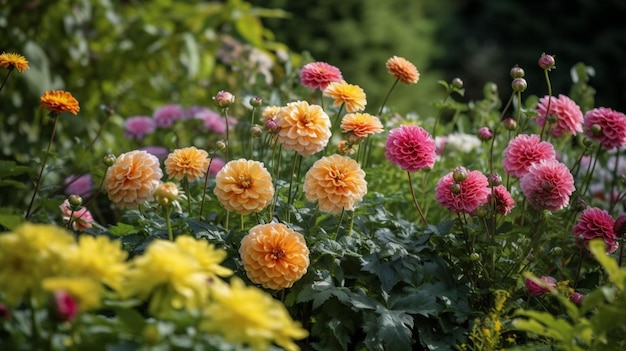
[(360, 125), (337, 182), (187, 162), (274, 255), (402, 70), (303, 128), (58, 101), (132, 179), (247, 315), (13, 61), (270, 112), (87, 291), (207, 256), (244, 186), (28, 255), (351, 95)]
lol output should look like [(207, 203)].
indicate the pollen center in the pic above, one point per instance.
[(277, 253)]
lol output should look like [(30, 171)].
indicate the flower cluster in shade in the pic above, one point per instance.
[(132, 179), (57, 101), (303, 128), (317, 75), (12, 61), (567, 114), (81, 219), (274, 255), (596, 223), (611, 125), (190, 163), (410, 147), (244, 186), (403, 70), (336, 182), (351, 96), (548, 185), (463, 196)]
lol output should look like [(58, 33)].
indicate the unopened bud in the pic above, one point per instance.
[(482, 211), (166, 193), (587, 142), (455, 188), (547, 62), (457, 83), (108, 160), (221, 145), (517, 72), (485, 134), (579, 205), (494, 179), (619, 228), (459, 174), (75, 202), (5, 312), (556, 251), (510, 124), (256, 131), (271, 126), (474, 256), (224, 99), (519, 85), (256, 101), (552, 119), (596, 129)]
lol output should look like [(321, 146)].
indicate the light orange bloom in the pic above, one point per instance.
[(58, 101), (188, 162), (13, 61), (360, 125), (132, 179), (303, 128), (274, 255), (244, 186), (270, 112), (351, 95), (337, 182), (402, 70)]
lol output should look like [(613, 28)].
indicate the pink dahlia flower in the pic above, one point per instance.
[(214, 121), (317, 75), (165, 116), (411, 148), (81, 219), (79, 185), (504, 202), (464, 196), (216, 164), (569, 117), (159, 151), (535, 289), (611, 127), (138, 127), (596, 223), (523, 151), (548, 185)]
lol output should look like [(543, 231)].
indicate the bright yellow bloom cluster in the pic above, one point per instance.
[(486, 334)]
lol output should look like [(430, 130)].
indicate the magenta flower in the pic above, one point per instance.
[(576, 298), (81, 219), (569, 117), (65, 306), (138, 127), (213, 121), (523, 151), (411, 148), (504, 202), (464, 196), (596, 223), (484, 134), (548, 185), (165, 116), (317, 75), (535, 289), (158, 151), (607, 126), (80, 185), (216, 164)]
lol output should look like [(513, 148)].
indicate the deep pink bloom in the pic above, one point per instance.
[(224, 99), (138, 127), (214, 121), (484, 134), (317, 75), (612, 125), (595, 223), (504, 202), (465, 196), (569, 117), (216, 164), (619, 228), (165, 116), (548, 185), (411, 148), (81, 219), (535, 289), (158, 151), (65, 306), (523, 151), (80, 185), (576, 298)]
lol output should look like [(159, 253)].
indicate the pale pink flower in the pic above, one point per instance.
[(569, 117), (213, 121), (138, 127), (165, 116), (159, 151), (523, 151), (464, 196), (411, 148), (81, 219), (548, 185), (216, 164), (535, 289), (504, 202), (596, 223), (317, 75), (80, 185), (611, 125)]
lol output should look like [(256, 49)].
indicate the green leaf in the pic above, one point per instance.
[(132, 319), (11, 221), (391, 329), (416, 301), (122, 229)]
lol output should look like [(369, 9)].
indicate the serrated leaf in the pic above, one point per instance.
[(132, 319), (394, 329), (422, 302), (122, 229)]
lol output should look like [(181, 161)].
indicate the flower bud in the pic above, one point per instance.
[(577, 298), (345, 148), (482, 211), (459, 174), (494, 179), (75, 202), (547, 62), (517, 72), (519, 85), (221, 145), (485, 134), (64, 306), (256, 101), (510, 124), (596, 129), (619, 228), (256, 131), (108, 160), (457, 83), (455, 188), (579, 205), (552, 119), (474, 256), (271, 126), (166, 193), (556, 251), (224, 99), (587, 141)]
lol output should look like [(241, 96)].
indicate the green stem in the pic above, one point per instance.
[(382, 106), (225, 112), (547, 76), (293, 171), (613, 202), (168, 223), (417, 206), (343, 211), (186, 184), (6, 78), (206, 184), (43, 165)]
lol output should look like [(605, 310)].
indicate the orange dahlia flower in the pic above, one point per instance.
[(270, 112), (244, 186), (13, 61), (402, 70), (188, 162), (360, 125), (303, 128), (337, 182), (351, 95), (58, 101), (132, 179), (274, 255)]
